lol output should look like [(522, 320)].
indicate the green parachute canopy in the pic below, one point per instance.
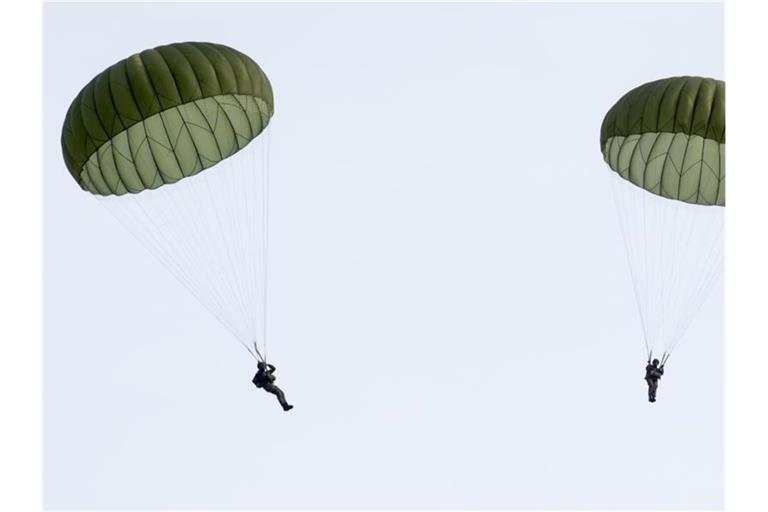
[(668, 137), (162, 115)]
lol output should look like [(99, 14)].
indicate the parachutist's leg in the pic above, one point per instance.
[(271, 388), (652, 386), (280, 397)]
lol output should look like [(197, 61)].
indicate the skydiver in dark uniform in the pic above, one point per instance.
[(265, 379), (653, 373)]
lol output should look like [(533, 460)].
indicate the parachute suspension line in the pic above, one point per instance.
[(712, 260), (265, 231), (216, 203), (228, 263), (244, 191), (628, 251), (208, 231), (159, 249), (260, 357), (674, 250)]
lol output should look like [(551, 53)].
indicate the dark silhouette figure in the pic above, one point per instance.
[(265, 379), (653, 373)]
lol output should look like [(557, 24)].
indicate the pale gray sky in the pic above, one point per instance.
[(450, 306)]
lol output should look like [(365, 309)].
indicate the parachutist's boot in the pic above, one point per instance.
[(287, 407)]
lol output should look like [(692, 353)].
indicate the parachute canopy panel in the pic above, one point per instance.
[(668, 137), (162, 115)]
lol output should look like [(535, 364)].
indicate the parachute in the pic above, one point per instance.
[(665, 142), (171, 140)]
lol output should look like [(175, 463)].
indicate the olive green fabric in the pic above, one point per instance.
[(668, 137), (162, 115)]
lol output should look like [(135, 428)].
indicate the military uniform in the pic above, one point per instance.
[(652, 375), (265, 379)]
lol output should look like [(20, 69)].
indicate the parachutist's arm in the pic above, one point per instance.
[(271, 367)]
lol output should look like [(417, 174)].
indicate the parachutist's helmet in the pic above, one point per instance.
[(261, 365), (655, 362)]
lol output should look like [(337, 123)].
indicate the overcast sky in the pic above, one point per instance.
[(450, 306)]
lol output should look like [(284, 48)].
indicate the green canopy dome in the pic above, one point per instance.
[(162, 115), (668, 137)]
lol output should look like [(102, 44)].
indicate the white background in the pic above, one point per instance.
[(451, 310)]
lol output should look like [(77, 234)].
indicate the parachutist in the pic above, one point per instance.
[(265, 379), (653, 373)]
